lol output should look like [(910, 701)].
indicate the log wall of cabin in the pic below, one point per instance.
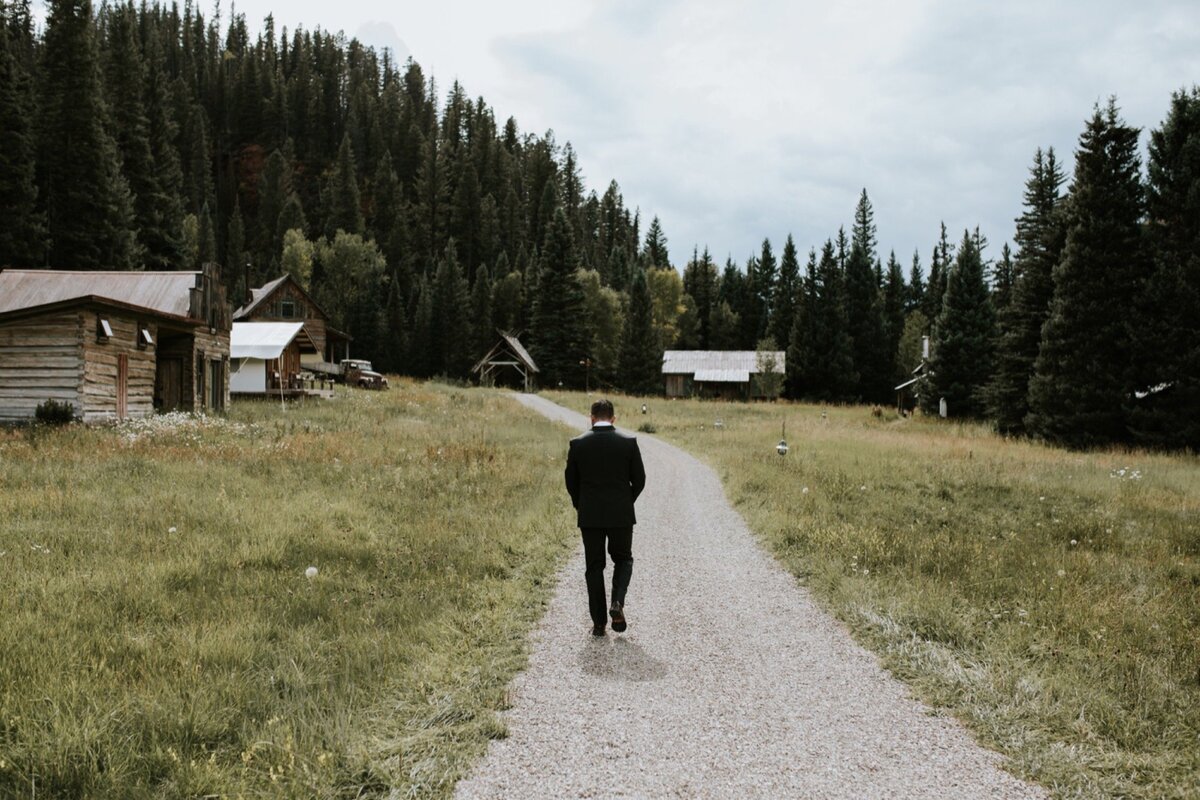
[(213, 347), (271, 310), (98, 390), (40, 359)]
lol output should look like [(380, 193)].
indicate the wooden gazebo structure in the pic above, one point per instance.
[(508, 352)]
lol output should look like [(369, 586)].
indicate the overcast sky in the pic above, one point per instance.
[(732, 121)]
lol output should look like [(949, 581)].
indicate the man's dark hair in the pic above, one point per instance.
[(602, 409)]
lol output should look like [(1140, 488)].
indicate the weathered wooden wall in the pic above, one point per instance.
[(40, 359), (98, 391), (211, 347)]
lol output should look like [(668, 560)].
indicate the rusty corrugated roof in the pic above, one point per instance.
[(168, 292)]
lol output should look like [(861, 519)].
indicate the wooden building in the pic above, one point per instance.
[(284, 300), (507, 360), (112, 344), (725, 374), (266, 357)]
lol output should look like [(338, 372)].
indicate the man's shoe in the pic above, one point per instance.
[(598, 630), (618, 616)]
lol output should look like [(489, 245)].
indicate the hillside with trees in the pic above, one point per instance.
[(153, 137)]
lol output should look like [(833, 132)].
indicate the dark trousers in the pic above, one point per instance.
[(620, 547)]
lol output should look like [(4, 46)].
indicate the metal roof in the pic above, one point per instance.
[(685, 362), (519, 350), (514, 349), (167, 292), (721, 376), (263, 340), (258, 295)]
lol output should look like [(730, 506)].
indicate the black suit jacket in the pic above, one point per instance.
[(604, 477)]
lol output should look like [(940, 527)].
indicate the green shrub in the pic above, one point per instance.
[(53, 412), (647, 427)]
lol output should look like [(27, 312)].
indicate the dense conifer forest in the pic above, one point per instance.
[(152, 137)]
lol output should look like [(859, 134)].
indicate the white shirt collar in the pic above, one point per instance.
[(601, 424)]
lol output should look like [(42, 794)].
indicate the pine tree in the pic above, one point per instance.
[(1003, 276), (206, 239), (89, 211), (508, 301), (828, 350), (559, 327), (641, 358), (274, 188), (655, 252), (962, 347), (345, 209), (915, 297), (939, 268), (395, 345), (803, 332), (723, 327), (784, 298), (872, 356), (452, 332), (767, 278), (483, 333), (750, 311), (1167, 336), (894, 294), (1040, 237), (1084, 377), (422, 344), (700, 282), (22, 226), (157, 212), (236, 262), (166, 246)]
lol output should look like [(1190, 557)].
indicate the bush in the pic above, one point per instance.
[(647, 427), (53, 412)]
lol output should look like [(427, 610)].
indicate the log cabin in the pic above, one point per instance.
[(114, 345), (284, 300)]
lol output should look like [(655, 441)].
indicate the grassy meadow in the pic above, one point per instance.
[(160, 638), (1049, 599)]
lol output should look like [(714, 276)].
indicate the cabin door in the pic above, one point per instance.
[(169, 388), (122, 385)]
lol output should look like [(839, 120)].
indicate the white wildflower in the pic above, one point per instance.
[(310, 573)]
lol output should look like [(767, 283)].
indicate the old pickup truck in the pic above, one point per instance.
[(357, 372), (352, 372)]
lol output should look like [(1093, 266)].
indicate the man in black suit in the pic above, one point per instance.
[(604, 477)]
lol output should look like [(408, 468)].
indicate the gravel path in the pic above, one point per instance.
[(730, 681)]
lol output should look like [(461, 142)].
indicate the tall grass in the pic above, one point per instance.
[(159, 637), (1050, 599)]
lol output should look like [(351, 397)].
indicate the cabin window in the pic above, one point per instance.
[(103, 330), (287, 309), (144, 339)]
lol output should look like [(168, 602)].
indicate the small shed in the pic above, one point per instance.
[(507, 357), (727, 374), (284, 300), (112, 344), (265, 357)]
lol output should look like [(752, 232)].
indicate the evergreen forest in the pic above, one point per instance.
[(152, 137)]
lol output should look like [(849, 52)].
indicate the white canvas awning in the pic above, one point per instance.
[(263, 340)]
